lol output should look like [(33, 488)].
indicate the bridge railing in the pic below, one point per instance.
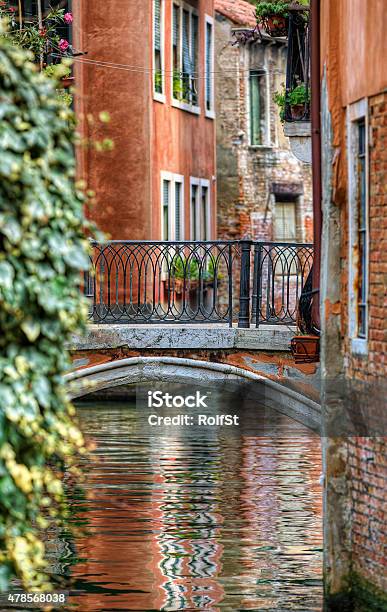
[(183, 282)]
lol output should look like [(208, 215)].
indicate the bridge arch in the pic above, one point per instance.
[(139, 370)]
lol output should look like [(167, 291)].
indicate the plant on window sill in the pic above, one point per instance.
[(182, 92), (158, 82), (298, 100)]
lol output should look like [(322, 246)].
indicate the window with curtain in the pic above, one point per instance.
[(285, 230), (158, 59), (185, 52), (209, 59), (257, 107)]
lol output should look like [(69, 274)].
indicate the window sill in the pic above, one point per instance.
[(195, 110), (210, 114), (158, 97), (359, 346), (261, 147)]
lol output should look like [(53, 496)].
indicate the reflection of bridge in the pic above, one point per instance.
[(196, 310)]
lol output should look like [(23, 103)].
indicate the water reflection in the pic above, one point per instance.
[(211, 522)]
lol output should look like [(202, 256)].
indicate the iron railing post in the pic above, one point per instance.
[(258, 283), (244, 291)]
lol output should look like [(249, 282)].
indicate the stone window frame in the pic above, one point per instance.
[(185, 106), (159, 97), (355, 113), (172, 179), (199, 183)]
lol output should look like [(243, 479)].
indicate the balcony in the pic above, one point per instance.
[(297, 126), (241, 283)]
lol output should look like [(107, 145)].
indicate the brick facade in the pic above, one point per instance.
[(368, 456), (248, 176)]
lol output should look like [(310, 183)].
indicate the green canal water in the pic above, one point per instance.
[(199, 519)]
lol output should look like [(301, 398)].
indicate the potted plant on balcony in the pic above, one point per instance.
[(273, 15), (297, 99)]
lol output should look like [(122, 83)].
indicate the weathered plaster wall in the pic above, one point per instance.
[(182, 142), (354, 54), (121, 178), (246, 173)]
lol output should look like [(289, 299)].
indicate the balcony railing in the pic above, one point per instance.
[(237, 282)]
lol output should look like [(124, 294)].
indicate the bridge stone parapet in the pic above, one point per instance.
[(111, 356)]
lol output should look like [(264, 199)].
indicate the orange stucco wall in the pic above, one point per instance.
[(149, 137), (183, 143), (353, 45)]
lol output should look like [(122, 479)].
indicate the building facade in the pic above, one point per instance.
[(354, 299), (264, 192), (152, 71)]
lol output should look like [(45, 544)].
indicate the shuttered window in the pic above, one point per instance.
[(185, 45), (166, 209), (158, 58), (209, 66), (172, 201), (257, 107), (178, 211), (200, 209)]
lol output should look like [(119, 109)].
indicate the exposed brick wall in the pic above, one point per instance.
[(368, 456), (246, 204)]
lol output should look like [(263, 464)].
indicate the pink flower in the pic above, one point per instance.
[(68, 17), (63, 44)]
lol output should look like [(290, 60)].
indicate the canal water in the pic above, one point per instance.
[(197, 519)]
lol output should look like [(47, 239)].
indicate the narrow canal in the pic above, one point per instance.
[(197, 520)]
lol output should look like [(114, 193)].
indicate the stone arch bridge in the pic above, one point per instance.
[(109, 357)]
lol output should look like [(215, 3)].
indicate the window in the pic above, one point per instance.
[(200, 209), (258, 114), (185, 53), (285, 222), (357, 127), (285, 230), (209, 68), (172, 198), (158, 50)]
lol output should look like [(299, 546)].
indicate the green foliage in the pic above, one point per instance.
[(42, 250), (279, 8), (275, 7), (193, 268), (32, 37), (298, 96), (159, 81)]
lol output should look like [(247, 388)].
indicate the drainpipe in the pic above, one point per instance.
[(316, 155)]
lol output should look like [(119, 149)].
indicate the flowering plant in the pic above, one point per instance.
[(38, 34)]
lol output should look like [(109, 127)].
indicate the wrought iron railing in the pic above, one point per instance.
[(241, 282)]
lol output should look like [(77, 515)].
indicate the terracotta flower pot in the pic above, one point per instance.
[(306, 349), (67, 82), (297, 111), (276, 25)]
